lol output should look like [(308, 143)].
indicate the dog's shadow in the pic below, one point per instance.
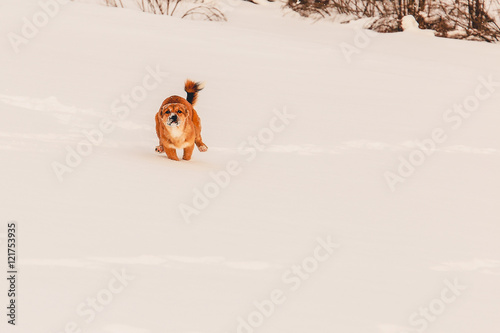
[(194, 163)]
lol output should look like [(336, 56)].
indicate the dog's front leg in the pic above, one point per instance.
[(201, 146), (171, 153), (188, 151)]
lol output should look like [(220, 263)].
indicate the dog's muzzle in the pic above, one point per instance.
[(173, 120)]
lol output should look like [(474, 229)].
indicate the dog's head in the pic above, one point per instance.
[(174, 114)]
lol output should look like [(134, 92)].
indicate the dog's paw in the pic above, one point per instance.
[(159, 149), (202, 148)]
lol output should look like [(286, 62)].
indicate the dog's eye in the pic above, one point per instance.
[(179, 111), (167, 112)]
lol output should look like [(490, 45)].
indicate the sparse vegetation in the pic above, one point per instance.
[(466, 19), (195, 10)]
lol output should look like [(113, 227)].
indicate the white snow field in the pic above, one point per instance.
[(357, 176)]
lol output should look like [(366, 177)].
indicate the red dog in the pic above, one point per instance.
[(178, 125)]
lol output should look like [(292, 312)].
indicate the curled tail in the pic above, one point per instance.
[(192, 89)]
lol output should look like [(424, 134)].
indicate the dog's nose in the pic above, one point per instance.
[(174, 117)]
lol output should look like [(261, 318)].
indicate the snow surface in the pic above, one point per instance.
[(409, 24), (356, 112)]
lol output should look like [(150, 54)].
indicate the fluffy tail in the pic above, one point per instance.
[(192, 89)]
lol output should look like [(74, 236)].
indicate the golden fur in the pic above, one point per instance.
[(178, 125)]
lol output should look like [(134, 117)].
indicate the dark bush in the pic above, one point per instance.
[(471, 19)]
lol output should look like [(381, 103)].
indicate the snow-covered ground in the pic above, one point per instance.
[(351, 182)]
